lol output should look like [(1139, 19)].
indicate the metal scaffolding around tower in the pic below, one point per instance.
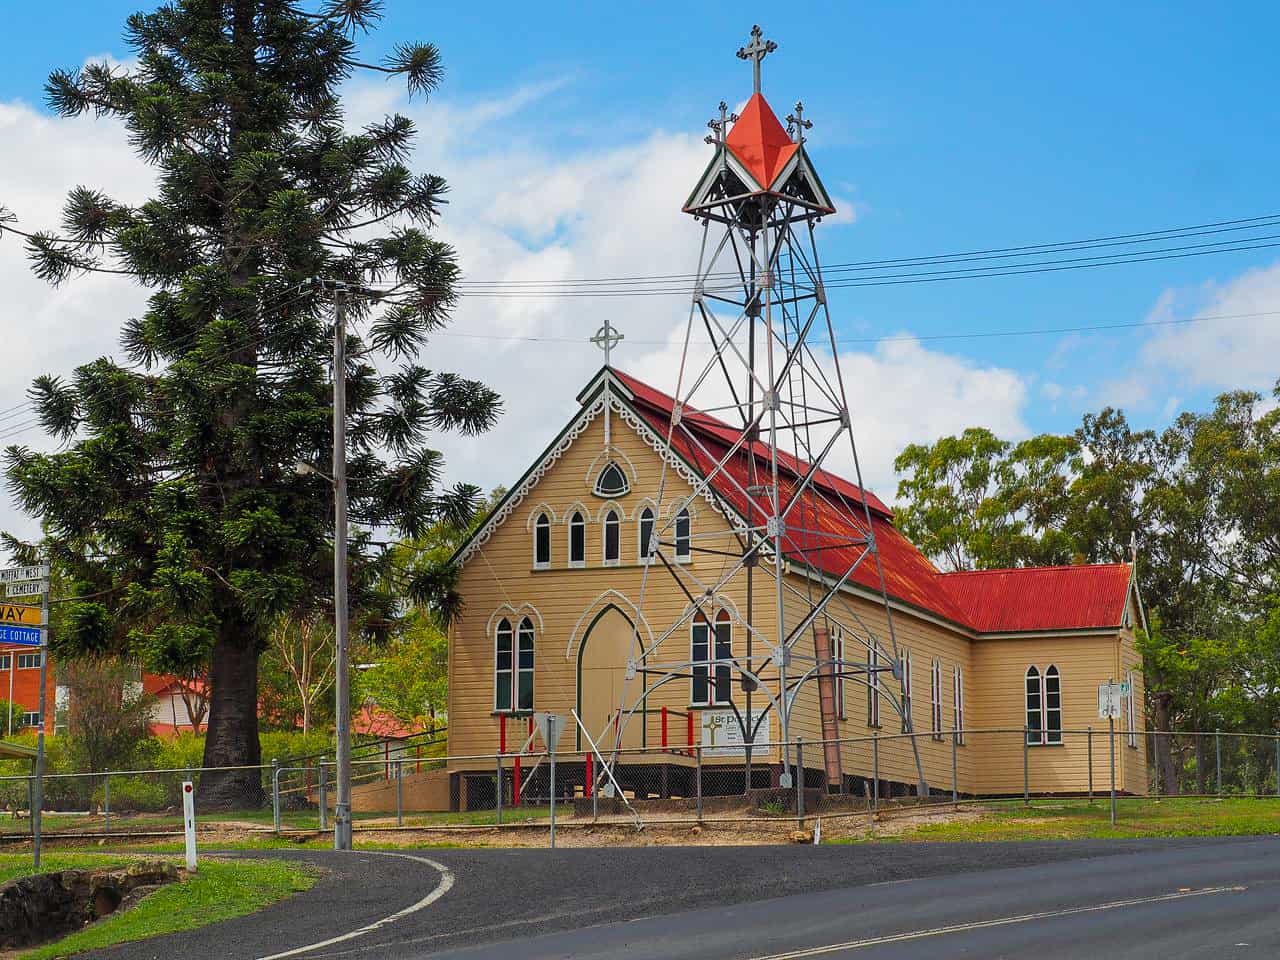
[(762, 414)]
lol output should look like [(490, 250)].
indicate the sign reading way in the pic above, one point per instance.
[(13, 613)]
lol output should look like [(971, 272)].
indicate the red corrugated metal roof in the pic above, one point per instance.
[(1048, 598), (1042, 598)]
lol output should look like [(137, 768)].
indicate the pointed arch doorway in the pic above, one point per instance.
[(601, 673)]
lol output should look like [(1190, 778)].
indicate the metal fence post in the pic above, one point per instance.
[(551, 749), (875, 771), (400, 792), (1026, 765), (498, 805), (1089, 737), (322, 793), (1111, 735), (955, 779), (1217, 749), (275, 793), (106, 803), (800, 778), (697, 778)]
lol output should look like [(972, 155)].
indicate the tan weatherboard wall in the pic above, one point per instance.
[(1084, 662)]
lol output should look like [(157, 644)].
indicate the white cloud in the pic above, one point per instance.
[(1237, 351)]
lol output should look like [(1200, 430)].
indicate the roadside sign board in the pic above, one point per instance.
[(1111, 700), (12, 613), (39, 571), (26, 588), (20, 636), (551, 728)]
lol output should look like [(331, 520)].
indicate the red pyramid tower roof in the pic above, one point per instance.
[(759, 141)]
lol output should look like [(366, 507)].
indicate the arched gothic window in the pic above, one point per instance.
[(684, 548), (524, 665), (542, 542), (503, 666), (611, 481), (645, 533), (1044, 706), (577, 540), (612, 538), (712, 656)]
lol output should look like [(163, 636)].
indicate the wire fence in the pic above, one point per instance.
[(416, 785)]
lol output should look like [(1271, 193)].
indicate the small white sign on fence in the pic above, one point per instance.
[(1111, 700), (189, 822), (722, 735)]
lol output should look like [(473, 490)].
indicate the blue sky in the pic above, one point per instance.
[(943, 127)]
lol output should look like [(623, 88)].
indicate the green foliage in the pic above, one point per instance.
[(174, 509), (411, 679)]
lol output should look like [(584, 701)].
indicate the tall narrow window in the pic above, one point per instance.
[(612, 544), (935, 699), (503, 666), (700, 655), (542, 542), (1131, 712), (1052, 705), (1035, 707), (873, 686), (683, 547), (906, 691), (524, 666), (838, 668), (724, 657), (957, 703), (645, 547), (577, 540)]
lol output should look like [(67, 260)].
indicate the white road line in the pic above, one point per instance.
[(441, 888), (984, 924)]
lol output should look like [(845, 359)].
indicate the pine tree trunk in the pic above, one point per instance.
[(232, 737)]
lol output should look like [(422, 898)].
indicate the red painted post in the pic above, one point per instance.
[(515, 783), (590, 780), (689, 717), (502, 733), (664, 728)]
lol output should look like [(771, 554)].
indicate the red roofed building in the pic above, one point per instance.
[(551, 584)]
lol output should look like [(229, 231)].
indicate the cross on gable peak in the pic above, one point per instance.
[(797, 124), (756, 51), (720, 125)]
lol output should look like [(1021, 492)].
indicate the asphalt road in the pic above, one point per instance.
[(1143, 898)]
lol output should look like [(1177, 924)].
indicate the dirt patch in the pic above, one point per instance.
[(46, 906)]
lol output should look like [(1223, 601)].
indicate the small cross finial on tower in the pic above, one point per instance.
[(797, 124), (756, 51), (606, 338), (720, 126)]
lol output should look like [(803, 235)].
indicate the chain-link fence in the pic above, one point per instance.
[(414, 785)]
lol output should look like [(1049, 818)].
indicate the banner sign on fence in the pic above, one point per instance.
[(20, 636), (722, 735), (39, 571)]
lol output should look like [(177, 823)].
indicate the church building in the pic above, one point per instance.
[(690, 584), (550, 585)]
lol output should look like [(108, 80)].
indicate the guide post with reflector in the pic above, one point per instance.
[(189, 822)]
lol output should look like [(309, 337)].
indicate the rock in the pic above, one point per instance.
[(802, 836)]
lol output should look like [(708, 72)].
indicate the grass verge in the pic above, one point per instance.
[(1081, 820), (220, 890)]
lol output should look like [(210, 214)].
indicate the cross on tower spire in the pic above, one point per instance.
[(720, 126), (756, 51), (797, 124)]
